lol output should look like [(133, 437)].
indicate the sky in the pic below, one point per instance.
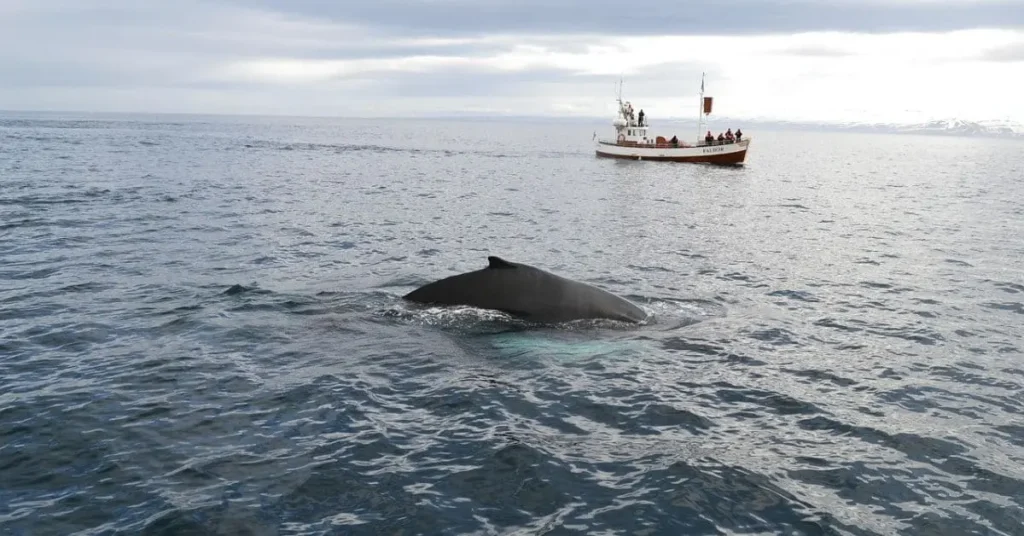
[(803, 60)]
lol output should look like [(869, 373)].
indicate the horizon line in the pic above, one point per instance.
[(493, 115)]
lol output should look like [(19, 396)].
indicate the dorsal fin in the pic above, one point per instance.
[(497, 262)]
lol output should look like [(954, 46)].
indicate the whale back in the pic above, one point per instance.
[(528, 292)]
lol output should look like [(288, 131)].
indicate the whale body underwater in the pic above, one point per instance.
[(527, 292)]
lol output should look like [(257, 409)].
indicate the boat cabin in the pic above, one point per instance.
[(631, 130)]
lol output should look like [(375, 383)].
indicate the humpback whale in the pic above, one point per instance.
[(527, 292)]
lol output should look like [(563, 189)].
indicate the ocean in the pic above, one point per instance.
[(202, 332)]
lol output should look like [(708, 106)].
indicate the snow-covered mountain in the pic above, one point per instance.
[(947, 127), (961, 127)]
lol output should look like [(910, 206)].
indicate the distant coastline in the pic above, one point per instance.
[(939, 127)]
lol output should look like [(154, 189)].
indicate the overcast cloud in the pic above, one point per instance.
[(701, 17), (798, 59)]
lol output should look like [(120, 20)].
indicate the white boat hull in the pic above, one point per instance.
[(726, 153)]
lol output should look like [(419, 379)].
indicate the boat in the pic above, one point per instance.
[(633, 141)]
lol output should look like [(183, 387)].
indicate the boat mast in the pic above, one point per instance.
[(700, 109), (618, 98)]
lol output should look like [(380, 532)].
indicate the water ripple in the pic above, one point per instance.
[(201, 332)]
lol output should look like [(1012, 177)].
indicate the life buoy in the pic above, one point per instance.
[(622, 138)]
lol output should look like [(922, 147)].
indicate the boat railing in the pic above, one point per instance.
[(703, 143), (667, 144), (636, 123)]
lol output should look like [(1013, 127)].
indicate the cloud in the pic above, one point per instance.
[(718, 17), (822, 51), (445, 56), (551, 82), (1013, 52)]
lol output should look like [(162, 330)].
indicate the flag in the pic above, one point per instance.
[(702, 82)]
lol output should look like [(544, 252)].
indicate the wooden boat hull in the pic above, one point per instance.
[(726, 154)]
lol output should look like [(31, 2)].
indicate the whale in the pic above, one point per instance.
[(527, 292)]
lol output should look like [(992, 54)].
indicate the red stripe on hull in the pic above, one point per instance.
[(724, 159)]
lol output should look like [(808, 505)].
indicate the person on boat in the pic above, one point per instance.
[(641, 117), (728, 136), (709, 139), (674, 141), (739, 134), (721, 138)]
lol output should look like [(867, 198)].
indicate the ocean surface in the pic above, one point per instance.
[(201, 332)]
